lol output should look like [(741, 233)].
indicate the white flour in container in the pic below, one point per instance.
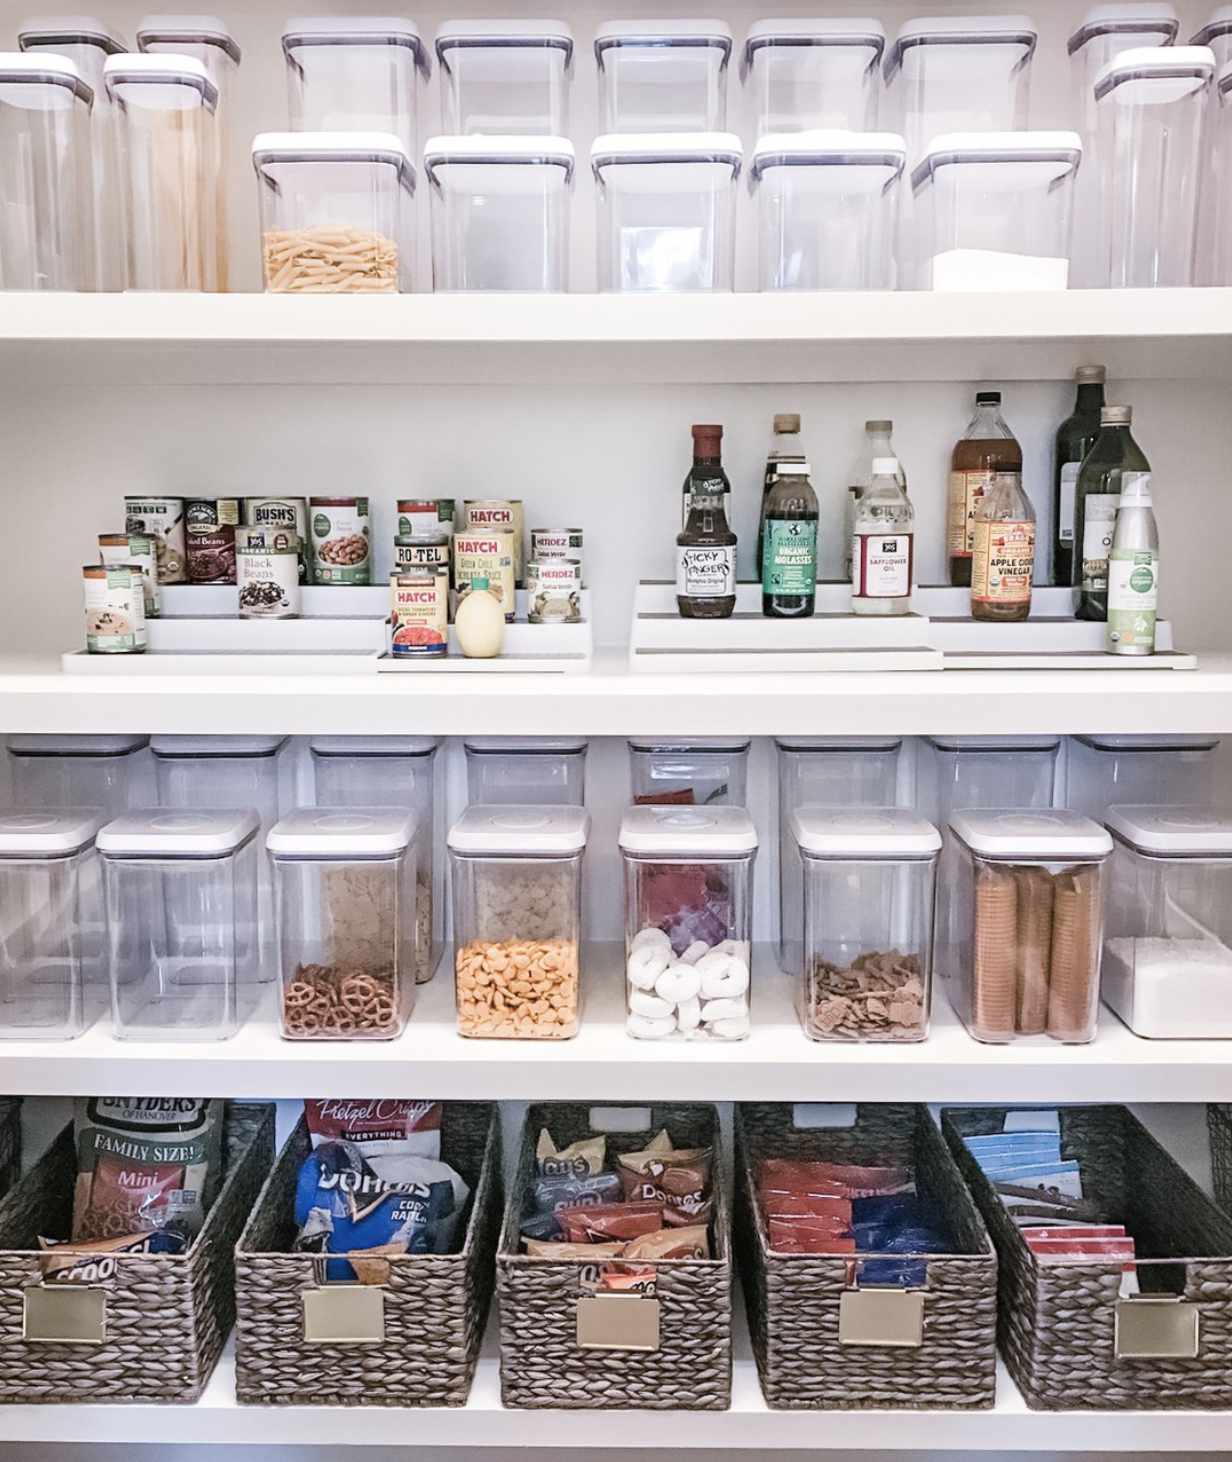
[(1170, 987)]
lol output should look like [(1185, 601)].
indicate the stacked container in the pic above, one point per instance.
[(47, 232), (704, 770), (663, 75), (964, 772), (806, 74), (76, 771), (1217, 34), (1215, 205), (503, 77), (543, 770), (1159, 771)]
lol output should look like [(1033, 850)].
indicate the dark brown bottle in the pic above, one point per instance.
[(706, 548), (986, 451)]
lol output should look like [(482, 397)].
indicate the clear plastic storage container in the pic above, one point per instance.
[(825, 771), (961, 773), (46, 916), (1152, 110), (76, 771), (171, 179), (355, 74), (1168, 952), (543, 770), (707, 771), (995, 210), (827, 209), (667, 210), (867, 928), (517, 920), (507, 77), (395, 771), (688, 922), (47, 235), (1021, 907), (345, 891), (181, 893), (500, 212), (1154, 771), (1217, 34), (87, 42), (1215, 203), (337, 212), (806, 74), (663, 75)]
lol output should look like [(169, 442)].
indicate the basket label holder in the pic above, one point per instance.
[(344, 1314), (63, 1314), (618, 1322), (886, 1318), (1156, 1327)]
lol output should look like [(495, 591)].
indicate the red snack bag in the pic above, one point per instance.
[(627, 1279), (806, 1205), (1077, 1231), (798, 1238), (600, 1223), (807, 1223), (671, 1243)]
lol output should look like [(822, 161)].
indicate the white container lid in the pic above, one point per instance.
[(1150, 743), (614, 149), (216, 746), (524, 830), (160, 72), (374, 745), (962, 30), (87, 30), (1220, 24), (877, 832), (345, 832), (1038, 158), (158, 833), (664, 33), (1169, 73), (1047, 837), (42, 68), (838, 743), (355, 30), (347, 147), (179, 30), (1183, 831), (74, 745), (472, 35), (499, 151), (996, 743), (1131, 19), (48, 834), (881, 155), (854, 32), (708, 832), (676, 744)]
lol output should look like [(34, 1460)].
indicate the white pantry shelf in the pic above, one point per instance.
[(777, 1063), (585, 339)]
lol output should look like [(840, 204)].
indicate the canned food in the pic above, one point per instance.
[(162, 519), (421, 551), (425, 515), (289, 514), (115, 609), (556, 543), (502, 515), (419, 617), (267, 573), (487, 555), (341, 551), (554, 591), (209, 526), (134, 548)]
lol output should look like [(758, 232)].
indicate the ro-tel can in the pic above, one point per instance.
[(341, 546), (556, 543), (267, 573), (290, 514), (554, 591), (134, 548), (486, 555), (425, 515), (503, 515), (210, 524), (419, 613), (115, 609), (162, 519), (421, 551)]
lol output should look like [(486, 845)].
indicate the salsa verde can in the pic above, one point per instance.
[(554, 591), (556, 543)]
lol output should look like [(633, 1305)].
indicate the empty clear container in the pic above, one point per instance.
[(663, 75), (46, 912), (505, 77), (47, 236), (994, 210), (345, 892), (181, 891), (866, 929), (1217, 34), (824, 771), (688, 922), (706, 771), (667, 210), (77, 771), (395, 771), (87, 42), (1020, 923), (500, 212), (806, 74), (355, 74), (1152, 111), (1106, 31), (544, 770), (517, 920), (968, 772), (171, 180), (1153, 771), (337, 212), (827, 209), (1168, 952)]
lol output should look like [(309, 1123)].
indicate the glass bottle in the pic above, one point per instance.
[(1114, 454), (784, 447), (985, 450), (1075, 438), (883, 545), (706, 546), (879, 444), (1133, 570), (1003, 556), (789, 560)]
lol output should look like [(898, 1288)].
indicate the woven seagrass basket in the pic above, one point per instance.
[(422, 1341), (164, 1317), (542, 1364), (794, 1300), (1219, 1125), (10, 1142), (1058, 1323)]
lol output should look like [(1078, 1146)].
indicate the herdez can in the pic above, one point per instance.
[(419, 613), (425, 515), (556, 543), (501, 515), (486, 555), (554, 591), (421, 551)]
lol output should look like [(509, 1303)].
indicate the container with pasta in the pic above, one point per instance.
[(1020, 923)]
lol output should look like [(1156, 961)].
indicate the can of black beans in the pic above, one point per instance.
[(267, 573)]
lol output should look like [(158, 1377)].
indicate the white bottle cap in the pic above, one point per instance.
[(1136, 490), (885, 466)]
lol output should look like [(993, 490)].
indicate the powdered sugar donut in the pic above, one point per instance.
[(645, 965), (689, 1015), (722, 975), (696, 951), (678, 983), (642, 1002), (647, 1027), (714, 1010), (731, 1028), (648, 938)]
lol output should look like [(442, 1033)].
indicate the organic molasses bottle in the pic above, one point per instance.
[(789, 556)]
